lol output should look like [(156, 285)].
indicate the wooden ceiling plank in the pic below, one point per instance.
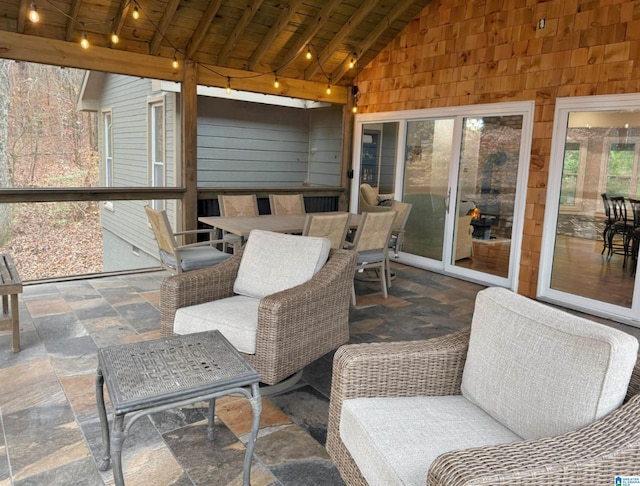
[(313, 28), (161, 31), (353, 22), (72, 19), (371, 39), (202, 28), (275, 30), (248, 14)]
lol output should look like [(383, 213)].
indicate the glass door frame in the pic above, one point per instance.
[(565, 106), (458, 114)]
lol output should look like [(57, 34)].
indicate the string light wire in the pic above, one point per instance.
[(84, 42)]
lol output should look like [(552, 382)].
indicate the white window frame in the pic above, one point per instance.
[(635, 170), (153, 103), (108, 152)]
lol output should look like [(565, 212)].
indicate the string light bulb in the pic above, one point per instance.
[(228, 85), (276, 83), (136, 13), (352, 62), (309, 56), (329, 87), (175, 63), (84, 42), (354, 108), (114, 37), (34, 16)]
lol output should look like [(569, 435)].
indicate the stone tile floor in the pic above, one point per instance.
[(49, 425)]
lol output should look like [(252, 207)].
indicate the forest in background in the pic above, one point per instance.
[(46, 142)]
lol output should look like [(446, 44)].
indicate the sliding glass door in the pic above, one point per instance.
[(588, 259), (464, 174)]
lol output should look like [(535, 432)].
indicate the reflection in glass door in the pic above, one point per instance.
[(426, 185), (487, 183), (588, 260)]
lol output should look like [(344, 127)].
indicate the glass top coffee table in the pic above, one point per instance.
[(152, 376)]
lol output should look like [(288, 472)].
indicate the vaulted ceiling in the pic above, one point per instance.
[(306, 44)]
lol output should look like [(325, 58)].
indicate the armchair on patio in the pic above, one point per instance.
[(280, 301), (529, 395), (181, 258), (370, 201)]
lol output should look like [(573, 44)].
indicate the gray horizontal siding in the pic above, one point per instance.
[(325, 134), (247, 144)]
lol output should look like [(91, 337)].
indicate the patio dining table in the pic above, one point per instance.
[(282, 223)]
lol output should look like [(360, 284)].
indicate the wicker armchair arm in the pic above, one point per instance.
[(196, 287), (592, 455), (430, 367)]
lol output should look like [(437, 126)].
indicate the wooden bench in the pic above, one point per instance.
[(10, 287)]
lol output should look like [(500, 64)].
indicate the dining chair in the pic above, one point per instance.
[(182, 258), (402, 210), (287, 204), (332, 226), (608, 223), (371, 243), (622, 226), (237, 205), (397, 232), (634, 234)]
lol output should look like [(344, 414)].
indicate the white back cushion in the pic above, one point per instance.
[(272, 262), (541, 371)]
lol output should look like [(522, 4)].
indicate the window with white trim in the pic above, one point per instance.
[(157, 148), (107, 118)]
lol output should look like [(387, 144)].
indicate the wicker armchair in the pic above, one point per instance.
[(594, 454), (295, 326)]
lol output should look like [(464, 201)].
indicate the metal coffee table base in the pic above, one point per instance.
[(246, 385)]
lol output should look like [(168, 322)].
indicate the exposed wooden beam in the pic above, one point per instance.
[(121, 16), (161, 31), (22, 16), (276, 28), (371, 39), (202, 28), (72, 19), (315, 25), (29, 48), (69, 54), (247, 15), (355, 20), (263, 83)]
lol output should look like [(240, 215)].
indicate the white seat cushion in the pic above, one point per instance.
[(394, 440), (542, 371), (272, 262), (235, 317)]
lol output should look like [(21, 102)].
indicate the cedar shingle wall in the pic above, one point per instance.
[(460, 53)]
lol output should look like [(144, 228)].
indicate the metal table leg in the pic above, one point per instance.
[(103, 465), (256, 406)]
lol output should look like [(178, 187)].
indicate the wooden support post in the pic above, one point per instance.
[(189, 115), (347, 155)]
